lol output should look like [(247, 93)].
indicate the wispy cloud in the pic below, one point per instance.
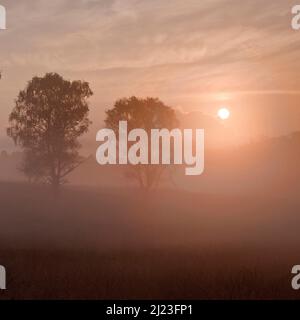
[(172, 49)]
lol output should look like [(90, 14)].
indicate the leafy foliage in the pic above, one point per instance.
[(48, 118), (147, 114)]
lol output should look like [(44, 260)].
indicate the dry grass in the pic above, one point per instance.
[(116, 244)]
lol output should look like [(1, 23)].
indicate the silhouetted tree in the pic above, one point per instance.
[(48, 118), (147, 114)]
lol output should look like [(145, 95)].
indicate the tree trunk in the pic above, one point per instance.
[(56, 187)]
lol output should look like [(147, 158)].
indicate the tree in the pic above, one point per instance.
[(147, 114), (48, 118)]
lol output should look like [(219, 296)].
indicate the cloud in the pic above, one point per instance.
[(88, 35), (181, 51)]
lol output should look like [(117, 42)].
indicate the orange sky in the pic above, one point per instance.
[(194, 55)]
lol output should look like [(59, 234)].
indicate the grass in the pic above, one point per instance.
[(117, 244)]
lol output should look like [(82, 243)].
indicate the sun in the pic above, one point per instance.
[(223, 113)]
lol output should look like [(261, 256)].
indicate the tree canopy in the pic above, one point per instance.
[(147, 114), (49, 116)]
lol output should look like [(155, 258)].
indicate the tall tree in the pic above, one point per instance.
[(147, 114), (48, 118)]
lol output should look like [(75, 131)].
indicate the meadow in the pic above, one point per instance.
[(93, 243)]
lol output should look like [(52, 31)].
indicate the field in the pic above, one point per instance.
[(123, 244)]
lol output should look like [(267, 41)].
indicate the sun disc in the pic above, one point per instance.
[(223, 113)]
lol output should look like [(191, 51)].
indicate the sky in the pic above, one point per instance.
[(196, 56)]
